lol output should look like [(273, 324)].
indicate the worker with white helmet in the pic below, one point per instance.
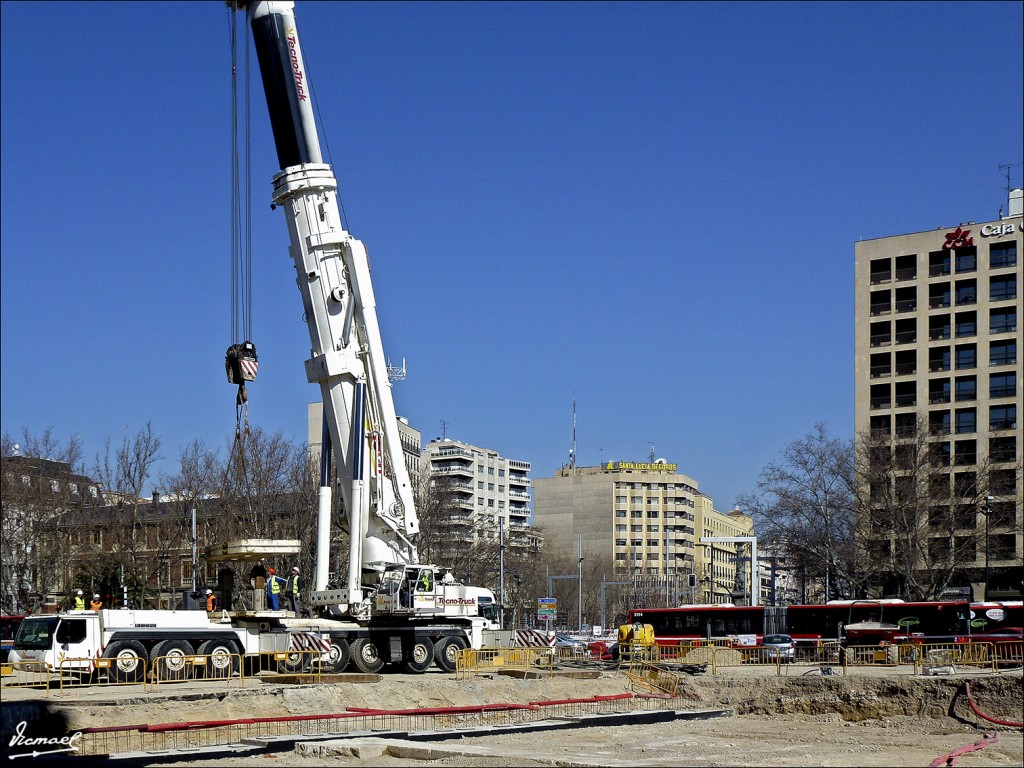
[(96, 603), (79, 601), (292, 590), (211, 601)]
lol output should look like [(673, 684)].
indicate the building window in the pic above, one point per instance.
[(55, 486), (966, 421), (966, 261), (939, 422), (966, 388), (73, 487), (1002, 449), (938, 263), (966, 292), (1002, 417), (1003, 255), (881, 270), (620, 499), (479, 485), (1001, 288), (1003, 320), (966, 356), (501, 473), (906, 267), (938, 359), (1003, 353), (1002, 385), (966, 324), (938, 391), (97, 537)]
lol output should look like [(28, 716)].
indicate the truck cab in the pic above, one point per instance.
[(66, 641)]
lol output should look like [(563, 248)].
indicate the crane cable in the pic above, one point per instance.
[(240, 361)]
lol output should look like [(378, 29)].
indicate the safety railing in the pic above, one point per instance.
[(85, 672), (179, 668), (1009, 654), (25, 674), (470, 661), (737, 656), (652, 679), (980, 655)]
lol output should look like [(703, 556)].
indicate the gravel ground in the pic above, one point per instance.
[(871, 717)]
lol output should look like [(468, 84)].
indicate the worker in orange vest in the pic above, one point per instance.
[(211, 601), (96, 603)]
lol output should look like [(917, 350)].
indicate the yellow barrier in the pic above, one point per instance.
[(1009, 654), (26, 674), (208, 666), (469, 661), (960, 654), (737, 656), (650, 678), (85, 671)]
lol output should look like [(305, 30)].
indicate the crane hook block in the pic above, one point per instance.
[(240, 363)]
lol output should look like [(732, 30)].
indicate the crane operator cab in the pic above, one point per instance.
[(427, 590)]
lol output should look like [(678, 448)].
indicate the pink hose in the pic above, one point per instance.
[(950, 759), (983, 716)]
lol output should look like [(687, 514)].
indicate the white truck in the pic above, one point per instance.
[(391, 609)]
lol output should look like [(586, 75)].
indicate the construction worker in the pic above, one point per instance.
[(274, 585), (211, 601), (291, 590), (424, 583), (96, 603), (79, 601)]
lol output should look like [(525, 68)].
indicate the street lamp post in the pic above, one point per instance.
[(987, 511)]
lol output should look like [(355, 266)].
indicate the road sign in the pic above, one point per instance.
[(547, 608)]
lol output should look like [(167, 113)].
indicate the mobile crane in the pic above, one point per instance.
[(391, 608)]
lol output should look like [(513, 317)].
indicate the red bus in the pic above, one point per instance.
[(811, 624)]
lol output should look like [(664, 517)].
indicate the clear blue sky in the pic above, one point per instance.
[(651, 205)]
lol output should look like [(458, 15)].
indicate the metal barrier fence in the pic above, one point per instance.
[(179, 736), (469, 661), (179, 668), (652, 679), (25, 674), (949, 654), (84, 672)]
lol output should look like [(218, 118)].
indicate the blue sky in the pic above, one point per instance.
[(652, 206)]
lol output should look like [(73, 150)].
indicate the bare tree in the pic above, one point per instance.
[(918, 512), (804, 506), (125, 473), (41, 481)]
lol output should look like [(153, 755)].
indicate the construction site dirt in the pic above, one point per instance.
[(739, 716)]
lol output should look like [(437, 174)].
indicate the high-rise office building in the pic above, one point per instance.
[(647, 521), (937, 342)]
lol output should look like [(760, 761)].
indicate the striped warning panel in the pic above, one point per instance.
[(533, 638)]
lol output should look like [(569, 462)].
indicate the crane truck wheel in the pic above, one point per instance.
[(221, 658), (446, 651), (168, 660), (129, 661), (339, 655), (419, 655), (366, 656)]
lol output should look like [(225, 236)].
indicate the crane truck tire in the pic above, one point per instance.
[(129, 661), (446, 651), (339, 655), (419, 655), (366, 656), (222, 658), (168, 661)]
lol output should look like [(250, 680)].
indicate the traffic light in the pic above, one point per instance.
[(693, 579)]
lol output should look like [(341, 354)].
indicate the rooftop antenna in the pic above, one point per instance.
[(652, 453), (572, 448), (444, 429), (394, 372), (1006, 167)]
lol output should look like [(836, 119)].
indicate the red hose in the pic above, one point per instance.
[(983, 716), (950, 759)]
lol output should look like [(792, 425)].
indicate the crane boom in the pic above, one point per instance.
[(347, 357)]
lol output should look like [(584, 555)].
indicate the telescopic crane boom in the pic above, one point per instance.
[(347, 360)]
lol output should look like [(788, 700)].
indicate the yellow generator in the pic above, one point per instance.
[(636, 640)]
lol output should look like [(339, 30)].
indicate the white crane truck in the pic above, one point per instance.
[(391, 609)]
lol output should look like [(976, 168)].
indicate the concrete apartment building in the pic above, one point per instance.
[(647, 520), (491, 490), (937, 349)]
